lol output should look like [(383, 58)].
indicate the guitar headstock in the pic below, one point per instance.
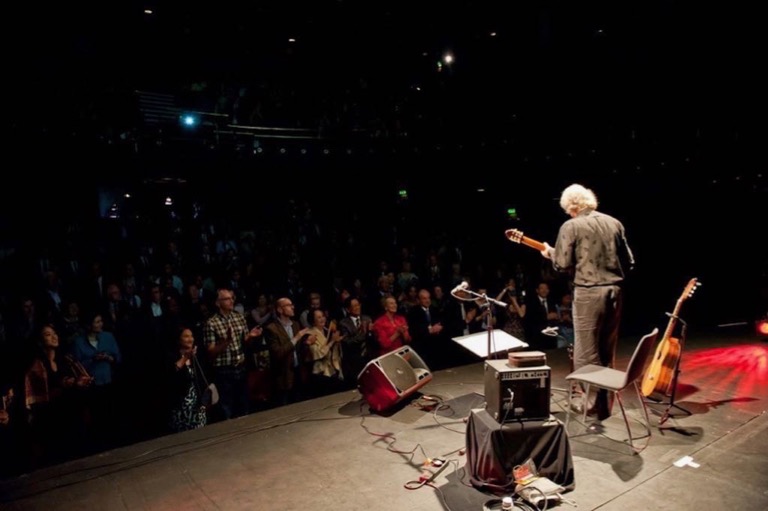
[(514, 235), (690, 288)]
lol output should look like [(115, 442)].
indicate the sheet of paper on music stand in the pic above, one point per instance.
[(500, 341)]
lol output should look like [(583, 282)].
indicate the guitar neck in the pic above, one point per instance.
[(670, 328), (525, 240), (672, 320)]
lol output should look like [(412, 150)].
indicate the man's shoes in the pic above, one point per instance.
[(591, 412), (597, 427), (596, 412), (603, 415)]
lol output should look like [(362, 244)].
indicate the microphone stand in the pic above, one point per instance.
[(488, 301), (489, 321), (553, 331)]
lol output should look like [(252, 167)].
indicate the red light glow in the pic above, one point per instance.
[(734, 372)]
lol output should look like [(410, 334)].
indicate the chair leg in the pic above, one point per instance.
[(645, 408), (568, 411), (585, 404), (626, 421)]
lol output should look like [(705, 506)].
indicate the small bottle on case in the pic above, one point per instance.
[(507, 504)]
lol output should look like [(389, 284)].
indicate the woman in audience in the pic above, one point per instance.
[(185, 385), (390, 329), (263, 312), (325, 350), (408, 299), (514, 312), (98, 352), (53, 408)]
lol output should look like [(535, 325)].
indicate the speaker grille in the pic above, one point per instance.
[(399, 371)]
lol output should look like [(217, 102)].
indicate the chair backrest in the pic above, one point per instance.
[(637, 363)]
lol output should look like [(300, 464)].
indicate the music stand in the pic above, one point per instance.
[(478, 343), (488, 302)]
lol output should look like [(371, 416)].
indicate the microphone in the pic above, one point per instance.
[(550, 331), (461, 287)]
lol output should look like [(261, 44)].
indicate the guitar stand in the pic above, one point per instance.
[(666, 414)]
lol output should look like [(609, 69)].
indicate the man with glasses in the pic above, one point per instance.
[(226, 336), (287, 343)]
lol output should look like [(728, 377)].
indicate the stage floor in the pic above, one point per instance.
[(332, 453)]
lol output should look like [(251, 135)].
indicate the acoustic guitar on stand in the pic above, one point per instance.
[(662, 369), (518, 237)]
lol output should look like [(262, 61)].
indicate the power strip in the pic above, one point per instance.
[(425, 478)]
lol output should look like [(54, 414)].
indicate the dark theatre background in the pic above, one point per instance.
[(353, 116)]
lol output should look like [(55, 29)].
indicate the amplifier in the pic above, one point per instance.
[(516, 393)]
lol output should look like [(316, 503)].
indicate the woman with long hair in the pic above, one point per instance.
[(54, 408)]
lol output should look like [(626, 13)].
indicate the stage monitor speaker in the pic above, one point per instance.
[(392, 377), (516, 393)]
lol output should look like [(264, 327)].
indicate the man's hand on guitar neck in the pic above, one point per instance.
[(547, 250)]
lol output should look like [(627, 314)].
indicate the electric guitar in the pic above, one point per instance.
[(517, 237), (660, 373)]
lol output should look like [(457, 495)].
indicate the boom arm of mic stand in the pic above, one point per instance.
[(471, 293), (494, 301), (485, 297)]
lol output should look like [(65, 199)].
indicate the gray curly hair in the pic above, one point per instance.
[(576, 198)]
